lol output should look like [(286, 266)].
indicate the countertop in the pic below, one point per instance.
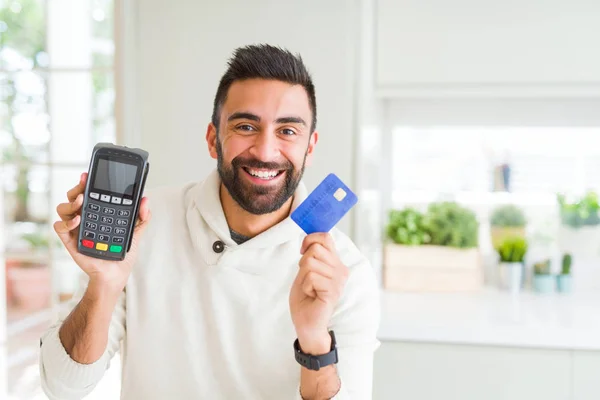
[(495, 318)]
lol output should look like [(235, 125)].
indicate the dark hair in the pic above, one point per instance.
[(265, 62)]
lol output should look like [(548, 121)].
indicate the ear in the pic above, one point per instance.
[(312, 142), (211, 140)]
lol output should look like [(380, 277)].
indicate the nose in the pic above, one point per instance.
[(265, 147)]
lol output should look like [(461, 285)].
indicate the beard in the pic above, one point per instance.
[(257, 199)]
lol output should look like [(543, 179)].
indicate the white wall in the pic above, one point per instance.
[(466, 42), (568, 112), (178, 52)]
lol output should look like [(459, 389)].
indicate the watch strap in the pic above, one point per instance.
[(313, 362)]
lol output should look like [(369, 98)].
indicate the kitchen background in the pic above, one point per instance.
[(469, 130)]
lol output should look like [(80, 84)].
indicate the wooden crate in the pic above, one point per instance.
[(432, 269)]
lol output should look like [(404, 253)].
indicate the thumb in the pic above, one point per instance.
[(142, 224)]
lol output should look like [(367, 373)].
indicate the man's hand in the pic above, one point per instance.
[(84, 333), (107, 275), (316, 291)]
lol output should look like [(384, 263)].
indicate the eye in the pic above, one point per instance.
[(245, 128), (288, 132)]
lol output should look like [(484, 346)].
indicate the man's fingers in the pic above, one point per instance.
[(144, 216), (77, 189), (315, 284), (322, 274), (311, 264), (67, 226), (143, 213), (64, 230), (66, 211), (324, 239), (141, 225), (319, 252)]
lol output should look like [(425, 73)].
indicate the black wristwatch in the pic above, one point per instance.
[(316, 362)]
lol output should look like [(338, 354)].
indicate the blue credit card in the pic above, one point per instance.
[(325, 206)]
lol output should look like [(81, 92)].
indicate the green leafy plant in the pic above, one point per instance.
[(508, 215), (567, 261), (450, 224), (581, 212), (25, 30), (407, 227), (513, 249), (542, 267), (36, 240), (443, 224)]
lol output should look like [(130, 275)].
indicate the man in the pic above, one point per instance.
[(221, 289)]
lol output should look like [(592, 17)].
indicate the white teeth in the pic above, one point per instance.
[(263, 174)]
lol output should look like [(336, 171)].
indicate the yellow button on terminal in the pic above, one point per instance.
[(101, 246)]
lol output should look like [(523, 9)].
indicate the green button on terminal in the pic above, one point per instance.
[(115, 249)]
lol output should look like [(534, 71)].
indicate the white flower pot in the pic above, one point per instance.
[(511, 276)]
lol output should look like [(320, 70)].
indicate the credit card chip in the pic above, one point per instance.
[(339, 194)]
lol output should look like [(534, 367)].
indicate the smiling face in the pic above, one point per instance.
[(263, 143)]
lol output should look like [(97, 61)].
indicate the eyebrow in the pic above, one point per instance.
[(256, 118), (290, 120), (244, 115)]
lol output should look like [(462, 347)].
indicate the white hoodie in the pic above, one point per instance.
[(194, 323)]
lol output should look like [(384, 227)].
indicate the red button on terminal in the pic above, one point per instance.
[(88, 243)]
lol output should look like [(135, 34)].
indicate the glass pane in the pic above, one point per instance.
[(66, 272), (39, 268), (61, 181), (480, 160), (103, 46), (27, 238), (80, 33), (81, 114), (26, 193), (22, 34), (24, 135), (104, 107), (28, 272)]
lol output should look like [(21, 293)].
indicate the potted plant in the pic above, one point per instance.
[(433, 251), (512, 255), (543, 281), (407, 227), (452, 225), (579, 231), (506, 221), (564, 280)]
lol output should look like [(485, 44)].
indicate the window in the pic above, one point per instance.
[(479, 152), (57, 101), (531, 164), (482, 167)]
